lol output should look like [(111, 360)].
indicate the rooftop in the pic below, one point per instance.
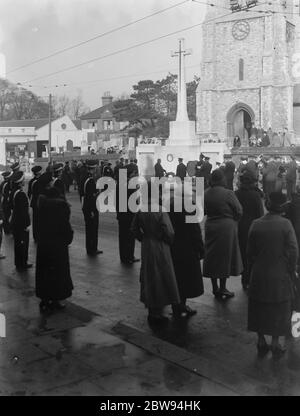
[(38, 123)]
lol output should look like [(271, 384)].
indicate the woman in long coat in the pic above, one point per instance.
[(157, 275), (250, 199), (187, 250), (222, 257), (53, 279), (272, 259)]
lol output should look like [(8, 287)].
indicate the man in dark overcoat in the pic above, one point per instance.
[(159, 170), (33, 194), (229, 169), (5, 189), (187, 250), (126, 237), (206, 169), (55, 234), (198, 168), (181, 169), (57, 175), (89, 194), (291, 177), (20, 221)]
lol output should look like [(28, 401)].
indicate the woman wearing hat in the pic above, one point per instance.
[(272, 254), (222, 253), (159, 288), (251, 202)]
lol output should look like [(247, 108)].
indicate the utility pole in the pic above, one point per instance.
[(49, 141)]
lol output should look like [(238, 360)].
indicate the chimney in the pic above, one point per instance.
[(107, 98)]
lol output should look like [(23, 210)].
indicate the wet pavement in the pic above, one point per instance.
[(102, 345)]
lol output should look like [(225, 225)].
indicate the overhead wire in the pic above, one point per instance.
[(96, 37)]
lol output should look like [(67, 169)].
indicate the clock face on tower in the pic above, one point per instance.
[(240, 30)]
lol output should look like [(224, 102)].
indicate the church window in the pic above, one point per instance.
[(241, 69)]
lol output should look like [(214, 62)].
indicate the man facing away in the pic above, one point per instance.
[(32, 194), (89, 194), (181, 169)]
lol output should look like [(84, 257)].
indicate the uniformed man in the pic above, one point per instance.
[(33, 194), (5, 189), (20, 221), (181, 169), (58, 182), (126, 238), (206, 168), (198, 168), (88, 194)]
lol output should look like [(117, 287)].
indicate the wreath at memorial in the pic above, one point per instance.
[(170, 157)]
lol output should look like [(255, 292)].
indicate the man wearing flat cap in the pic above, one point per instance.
[(20, 221), (88, 195), (32, 194), (181, 169), (58, 182), (5, 189)]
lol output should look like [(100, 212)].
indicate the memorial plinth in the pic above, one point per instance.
[(183, 142)]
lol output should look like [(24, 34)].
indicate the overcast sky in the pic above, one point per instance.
[(31, 29)]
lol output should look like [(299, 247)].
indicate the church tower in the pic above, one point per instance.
[(246, 70)]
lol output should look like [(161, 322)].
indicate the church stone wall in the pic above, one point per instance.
[(214, 106), (266, 87)]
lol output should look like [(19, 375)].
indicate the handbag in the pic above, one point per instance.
[(296, 293)]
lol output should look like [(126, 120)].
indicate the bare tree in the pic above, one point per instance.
[(77, 107), (61, 105)]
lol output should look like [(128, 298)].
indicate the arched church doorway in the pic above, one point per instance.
[(239, 119)]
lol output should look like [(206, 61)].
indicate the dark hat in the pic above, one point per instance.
[(36, 169), (247, 178), (217, 177), (15, 166), (276, 202), (244, 158), (57, 167), (7, 174), (180, 159), (18, 177), (91, 164), (45, 178)]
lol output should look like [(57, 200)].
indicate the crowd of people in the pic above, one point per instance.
[(251, 229), (259, 137)]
